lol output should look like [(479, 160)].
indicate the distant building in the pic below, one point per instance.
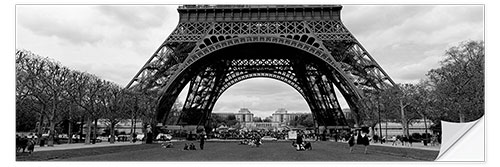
[(283, 117), (243, 115), (280, 118)]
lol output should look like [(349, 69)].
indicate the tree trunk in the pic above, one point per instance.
[(135, 124), (94, 136), (425, 126), (70, 137), (89, 130), (408, 128), (112, 136), (380, 129), (50, 142), (131, 129), (81, 129), (53, 112), (40, 131), (403, 119)]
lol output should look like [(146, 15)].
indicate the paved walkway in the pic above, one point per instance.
[(81, 145), (413, 146), (417, 145)]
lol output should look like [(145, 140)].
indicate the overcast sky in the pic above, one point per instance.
[(113, 42)]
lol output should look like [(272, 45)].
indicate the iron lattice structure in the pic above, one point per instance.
[(306, 47)]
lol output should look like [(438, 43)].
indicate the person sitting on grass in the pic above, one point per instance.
[(186, 147), (257, 141), (308, 146), (300, 147), (167, 145), (192, 146), (252, 143)]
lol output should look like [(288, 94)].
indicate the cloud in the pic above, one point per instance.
[(414, 72), (362, 20), (63, 23), (407, 41), (120, 25), (137, 17)]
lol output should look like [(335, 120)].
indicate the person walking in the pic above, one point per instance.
[(202, 140), (365, 141), (351, 142)]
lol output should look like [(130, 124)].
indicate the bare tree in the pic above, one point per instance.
[(46, 81), (113, 102), (85, 94)]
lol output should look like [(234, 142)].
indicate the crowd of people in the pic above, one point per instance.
[(253, 141), (280, 135), (189, 146)]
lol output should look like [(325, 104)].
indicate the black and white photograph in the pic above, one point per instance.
[(265, 83)]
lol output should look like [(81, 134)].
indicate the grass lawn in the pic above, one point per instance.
[(232, 151)]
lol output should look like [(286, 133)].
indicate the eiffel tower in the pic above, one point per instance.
[(305, 46)]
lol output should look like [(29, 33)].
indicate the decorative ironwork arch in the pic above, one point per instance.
[(279, 77), (316, 51)]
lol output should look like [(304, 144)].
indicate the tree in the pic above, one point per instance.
[(46, 82), (231, 120), (26, 115), (85, 94), (70, 115), (396, 103), (257, 119), (216, 120), (424, 102), (371, 108), (459, 82), (28, 90), (268, 119), (53, 93), (112, 100), (306, 120)]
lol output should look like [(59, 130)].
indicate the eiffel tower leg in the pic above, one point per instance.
[(335, 114), (301, 72), (202, 95), (326, 99)]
